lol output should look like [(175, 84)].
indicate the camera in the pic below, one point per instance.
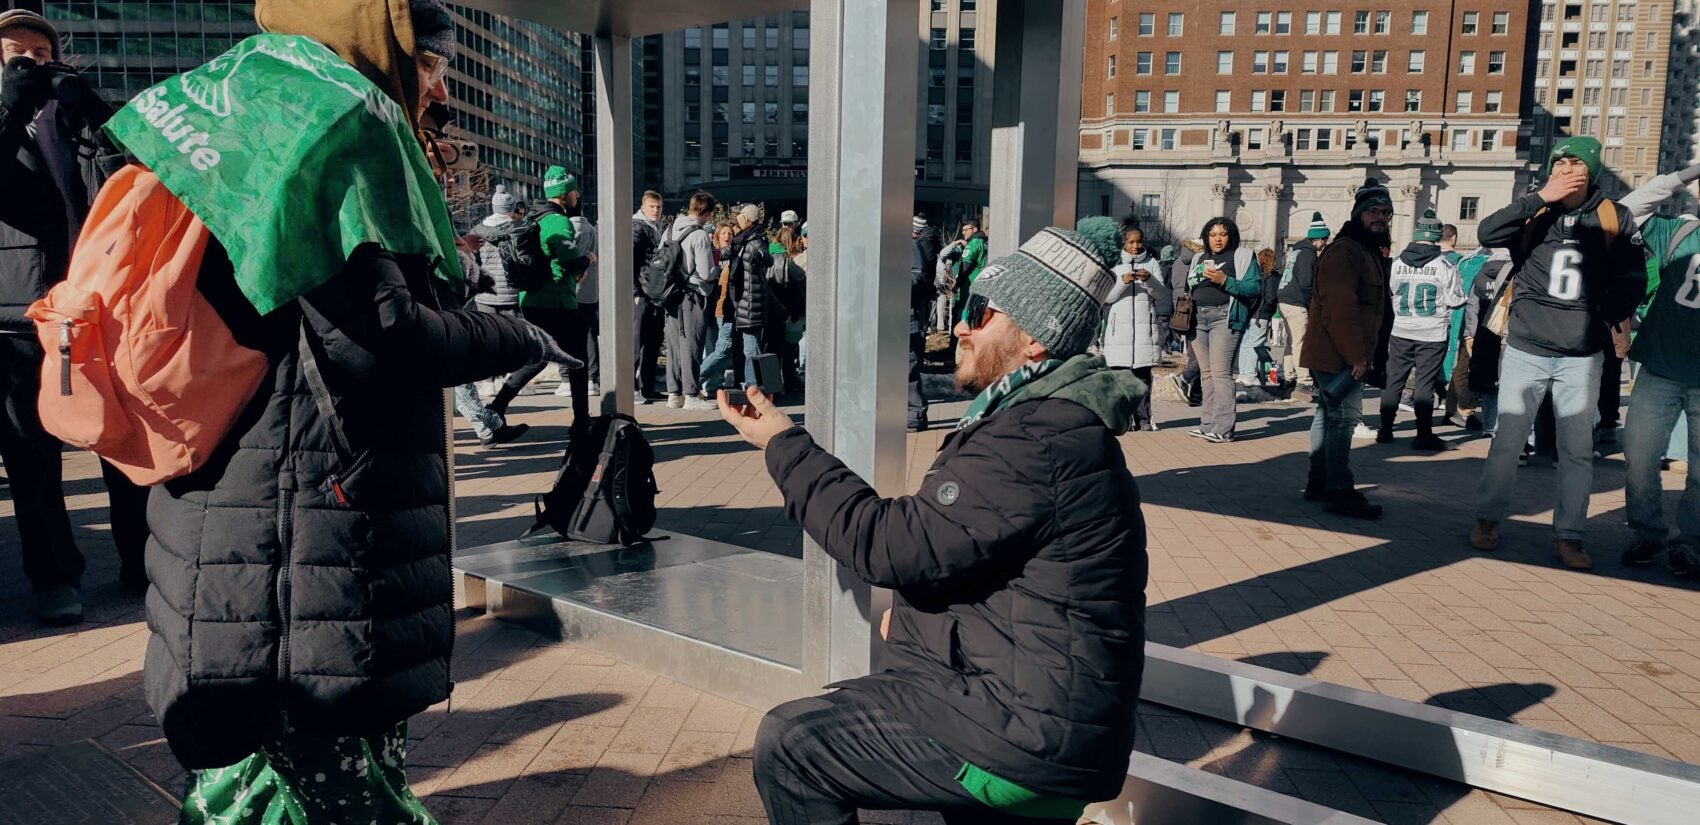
[(67, 86), (768, 377)]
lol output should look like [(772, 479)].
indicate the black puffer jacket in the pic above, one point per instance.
[(750, 261), (46, 186), (288, 577), (1017, 634)]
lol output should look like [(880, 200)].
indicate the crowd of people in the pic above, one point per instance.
[(297, 573)]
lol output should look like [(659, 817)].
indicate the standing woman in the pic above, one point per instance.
[(1133, 331), (1223, 278), (718, 349), (1254, 345)]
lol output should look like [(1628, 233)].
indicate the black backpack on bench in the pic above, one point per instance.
[(605, 490)]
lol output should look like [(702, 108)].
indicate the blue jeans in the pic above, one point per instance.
[(1654, 409), (719, 356), (751, 341), (1331, 435), (1256, 338), (1525, 381), (484, 421), (1216, 343)]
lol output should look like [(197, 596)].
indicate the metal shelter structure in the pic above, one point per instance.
[(762, 628)]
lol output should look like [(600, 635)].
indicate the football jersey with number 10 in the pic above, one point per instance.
[(1423, 298)]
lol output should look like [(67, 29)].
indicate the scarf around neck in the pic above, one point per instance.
[(992, 398)]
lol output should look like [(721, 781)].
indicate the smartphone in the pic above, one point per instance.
[(768, 377)]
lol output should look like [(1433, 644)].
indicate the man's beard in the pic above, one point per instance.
[(989, 359), (1371, 237)]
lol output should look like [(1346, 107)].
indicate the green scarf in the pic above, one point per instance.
[(292, 159), (993, 397)]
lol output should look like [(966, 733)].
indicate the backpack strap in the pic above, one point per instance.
[(1681, 235), (322, 395), (1607, 216)]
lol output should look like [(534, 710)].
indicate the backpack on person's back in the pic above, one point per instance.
[(529, 265), (662, 279)]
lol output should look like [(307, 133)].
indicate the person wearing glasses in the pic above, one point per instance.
[(301, 608), (1012, 659), (1348, 300)]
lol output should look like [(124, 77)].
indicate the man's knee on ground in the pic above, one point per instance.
[(769, 751)]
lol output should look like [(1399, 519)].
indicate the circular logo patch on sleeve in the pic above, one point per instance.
[(948, 493)]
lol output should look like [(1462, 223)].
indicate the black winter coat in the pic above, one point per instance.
[(46, 187), (287, 577), (1017, 635), (750, 261)]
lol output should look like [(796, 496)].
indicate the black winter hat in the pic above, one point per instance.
[(433, 27)]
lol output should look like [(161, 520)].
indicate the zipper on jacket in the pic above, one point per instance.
[(65, 357), (285, 529)]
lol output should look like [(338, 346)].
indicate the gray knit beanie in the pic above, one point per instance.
[(1054, 286)]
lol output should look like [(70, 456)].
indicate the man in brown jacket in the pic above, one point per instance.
[(1346, 308)]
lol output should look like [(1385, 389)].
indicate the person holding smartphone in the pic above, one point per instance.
[(1224, 282)]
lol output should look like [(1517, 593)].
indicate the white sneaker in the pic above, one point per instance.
[(595, 388), (1364, 431), (675, 401), (695, 404), (564, 390)]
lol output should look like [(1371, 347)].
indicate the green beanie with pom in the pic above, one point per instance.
[(1054, 286)]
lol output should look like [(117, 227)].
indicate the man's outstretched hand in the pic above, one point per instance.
[(759, 421)]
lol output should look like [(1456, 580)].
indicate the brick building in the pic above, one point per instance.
[(1265, 114)]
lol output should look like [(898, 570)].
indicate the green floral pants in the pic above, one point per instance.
[(302, 779)]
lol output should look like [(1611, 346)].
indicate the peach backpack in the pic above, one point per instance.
[(140, 369)]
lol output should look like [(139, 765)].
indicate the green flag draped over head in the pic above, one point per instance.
[(292, 159)]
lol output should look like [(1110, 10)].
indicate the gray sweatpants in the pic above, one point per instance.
[(684, 344)]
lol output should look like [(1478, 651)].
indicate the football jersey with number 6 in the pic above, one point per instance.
[(1426, 288), (1669, 340), (1572, 279)]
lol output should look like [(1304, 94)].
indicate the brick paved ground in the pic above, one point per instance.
[(1240, 567)]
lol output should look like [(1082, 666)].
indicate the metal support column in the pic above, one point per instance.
[(614, 220), (1036, 76), (862, 99)]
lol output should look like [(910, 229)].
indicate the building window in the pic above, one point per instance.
[(1141, 138), (1593, 69), (1419, 22), (1333, 23), (770, 40), (1224, 62), (1360, 22), (1489, 138), (1325, 102), (1378, 62), (1647, 69), (1330, 62), (693, 39), (1150, 206), (1283, 22), (1501, 22), (1142, 63), (1307, 100), (1469, 208), (937, 40), (1114, 28), (771, 111), (1225, 23), (1413, 100), (1301, 140), (1224, 100), (1172, 63), (749, 37), (1278, 100), (1171, 102), (770, 74), (1177, 23), (1324, 139), (1142, 101), (749, 75), (1460, 140), (1466, 62), (1470, 23), (1355, 100), (1166, 139), (1147, 24), (1109, 104), (1265, 22), (1308, 63), (1625, 14), (1491, 103), (1257, 99), (965, 40), (1496, 62), (1313, 22), (799, 113), (1641, 126), (722, 36), (1279, 64), (1415, 64), (1360, 62), (1462, 105), (1383, 22), (800, 76), (1110, 66), (799, 40), (1376, 98), (1259, 62), (749, 111)]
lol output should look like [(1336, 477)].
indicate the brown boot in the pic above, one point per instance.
[(1571, 555), (1485, 536)]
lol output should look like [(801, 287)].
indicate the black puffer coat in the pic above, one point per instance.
[(1017, 632), (288, 577), (750, 262), (48, 182)]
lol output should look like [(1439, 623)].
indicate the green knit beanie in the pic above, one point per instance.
[(1428, 228), (1581, 147), (1054, 286), (557, 182), (1318, 227)]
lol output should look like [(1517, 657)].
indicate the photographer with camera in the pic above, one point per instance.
[(49, 173)]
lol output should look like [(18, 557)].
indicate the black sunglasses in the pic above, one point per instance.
[(979, 311)]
